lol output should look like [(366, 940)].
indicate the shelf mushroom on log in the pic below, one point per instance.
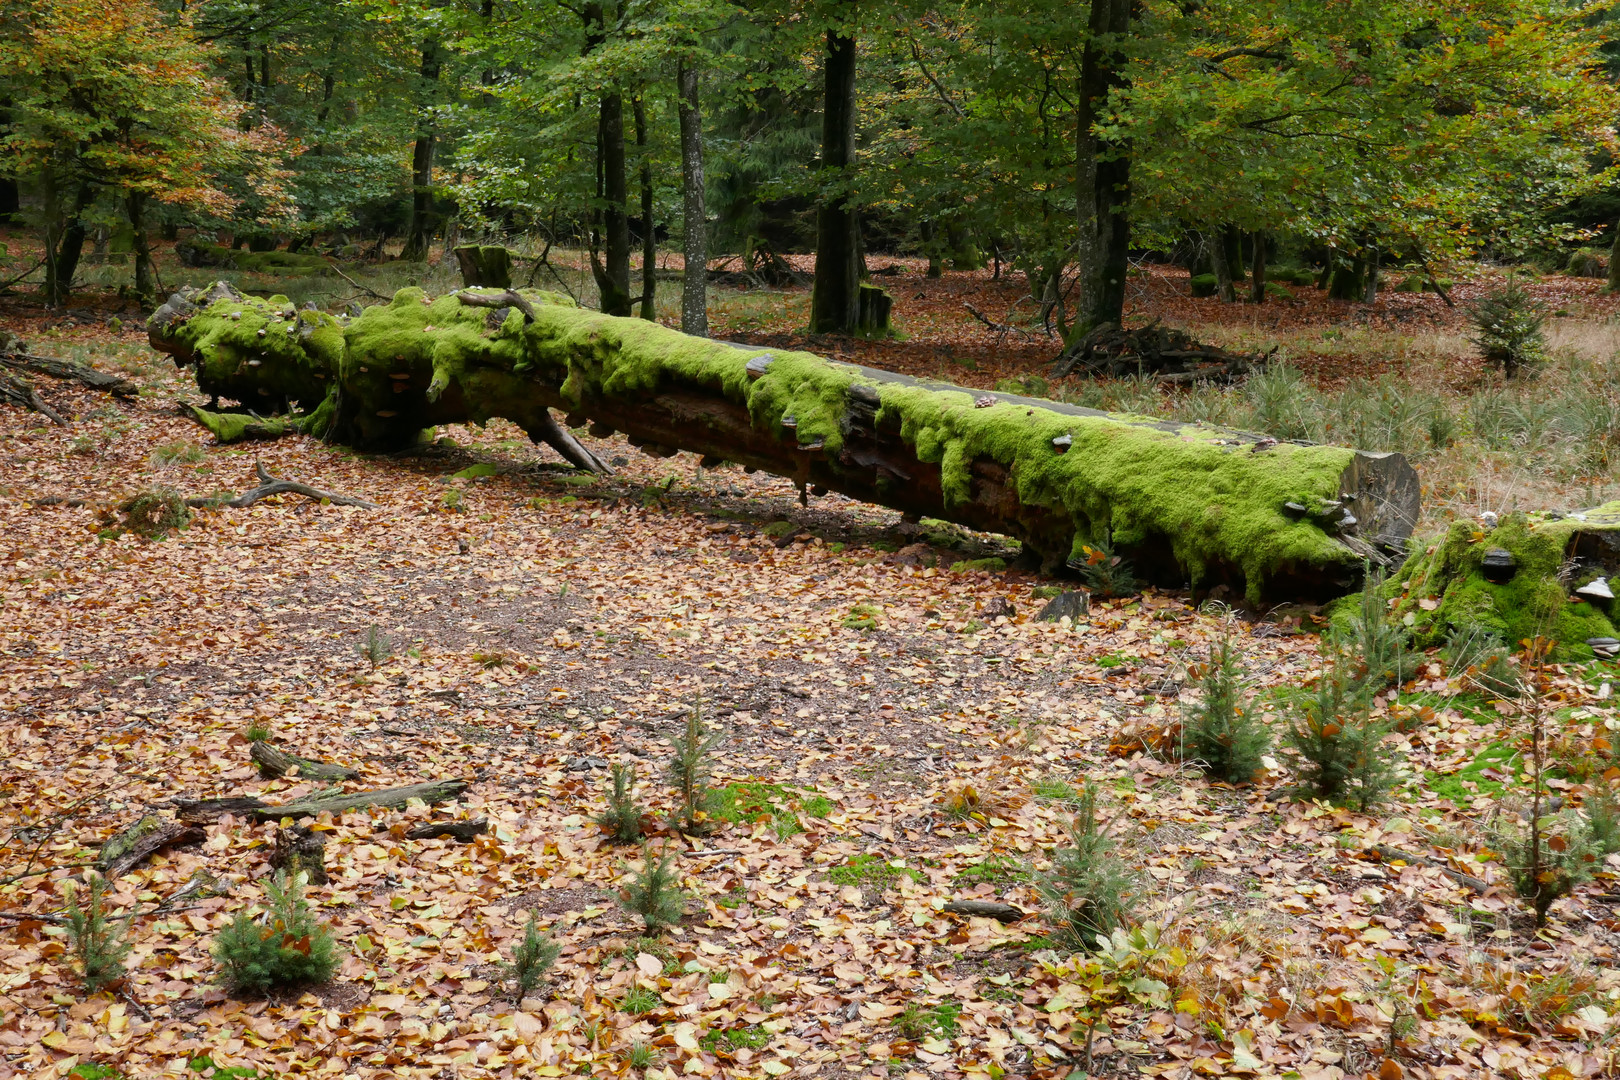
[(1184, 502)]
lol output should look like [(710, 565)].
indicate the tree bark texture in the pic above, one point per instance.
[(835, 297), (1103, 171), (613, 278), (1614, 260), (1220, 257), (1182, 501), (1257, 292), (420, 231), (145, 290), (695, 215)]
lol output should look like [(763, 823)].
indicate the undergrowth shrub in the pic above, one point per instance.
[(284, 947), (531, 958), (376, 648), (622, 818), (1509, 328), (1480, 656), (1567, 857), (689, 772), (1375, 645), (1221, 732), (1339, 743), (97, 945), (1089, 892), (1105, 573), (1603, 822), (177, 453), (155, 513), (654, 893)]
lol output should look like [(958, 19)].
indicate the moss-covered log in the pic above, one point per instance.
[(1182, 501), (1533, 575)]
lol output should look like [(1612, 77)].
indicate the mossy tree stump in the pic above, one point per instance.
[(485, 266)]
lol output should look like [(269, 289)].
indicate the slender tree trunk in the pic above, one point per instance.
[(695, 223), (1374, 260), (144, 290), (1258, 293), (71, 247), (1232, 237), (1220, 256), (419, 234), (52, 213), (1103, 169), (1614, 260), (835, 299), (649, 236), (613, 279)]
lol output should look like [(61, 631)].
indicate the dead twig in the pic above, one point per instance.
[(273, 486)]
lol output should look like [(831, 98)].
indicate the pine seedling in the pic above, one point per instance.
[(1378, 646), (1339, 743), (1089, 892), (376, 648), (653, 893), (98, 946), (689, 774), (1547, 861), (622, 818), (284, 947), (532, 958), (1603, 823), (1220, 732), (1105, 573)]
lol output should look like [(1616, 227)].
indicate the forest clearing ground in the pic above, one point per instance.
[(545, 624)]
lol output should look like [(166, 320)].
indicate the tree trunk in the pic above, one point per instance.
[(1220, 259), (1103, 171), (145, 290), (649, 235), (10, 200), (835, 297), (1614, 260), (71, 247), (1257, 293), (419, 234), (1180, 501), (613, 280), (695, 219)]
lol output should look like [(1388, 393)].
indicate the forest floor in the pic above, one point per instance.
[(899, 732)]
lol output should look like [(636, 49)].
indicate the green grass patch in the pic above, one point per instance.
[(870, 870), (473, 472), (1468, 783), (778, 529), (862, 617), (751, 800), (996, 870), (640, 1000), (752, 1037), (919, 1022)]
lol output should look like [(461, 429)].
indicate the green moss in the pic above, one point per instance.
[(1440, 588), (992, 565), (473, 472), (1469, 782), (257, 351), (871, 870)]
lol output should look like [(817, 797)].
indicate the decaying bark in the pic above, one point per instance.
[(1154, 351), (274, 763), (300, 850), (464, 831), (430, 792), (21, 393), (985, 909), (1279, 521), (151, 834)]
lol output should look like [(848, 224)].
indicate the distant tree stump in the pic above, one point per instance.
[(873, 313), (300, 849), (485, 266)]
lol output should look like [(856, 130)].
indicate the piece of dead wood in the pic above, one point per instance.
[(206, 811), (1163, 353), (300, 850), (21, 393), (433, 791), (274, 764), (463, 831), (1000, 328), (56, 368), (985, 909), (123, 852), (1389, 854), (271, 485)]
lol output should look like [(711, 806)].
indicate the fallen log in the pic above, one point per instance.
[(127, 850), (430, 792), (274, 763), (1155, 351), (1181, 501), (464, 831), (21, 393), (207, 811), (19, 360)]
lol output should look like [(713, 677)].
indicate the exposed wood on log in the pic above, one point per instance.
[(274, 763), (985, 909), (1153, 350), (151, 834), (430, 792), (464, 831), (271, 485)]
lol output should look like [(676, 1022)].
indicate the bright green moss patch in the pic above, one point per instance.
[(1468, 783), (1442, 588), (472, 472), (991, 565), (753, 800), (871, 870)]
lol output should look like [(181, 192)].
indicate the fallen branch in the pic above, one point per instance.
[(1000, 328), (368, 291), (206, 811), (435, 791), (21, 393), (1389, 854), (274, 486), (19, 360), (1109, 351), (146, 837), (985, 909), (274, 764), (463, 831)]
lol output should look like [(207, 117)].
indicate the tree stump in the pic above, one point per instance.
[(875, 306), (484, 266), (300, 849)]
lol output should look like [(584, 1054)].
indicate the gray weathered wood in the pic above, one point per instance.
[(433, 791)]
